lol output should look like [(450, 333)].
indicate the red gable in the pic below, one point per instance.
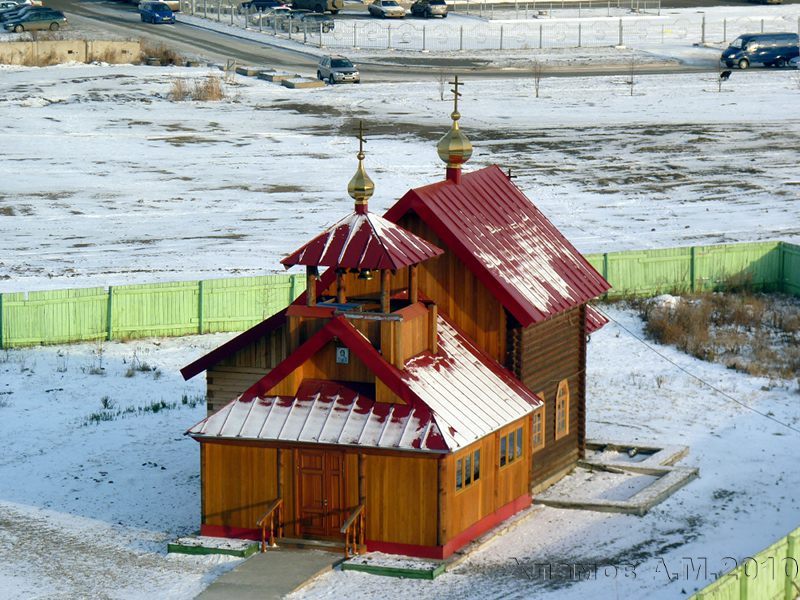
[(516, 252)]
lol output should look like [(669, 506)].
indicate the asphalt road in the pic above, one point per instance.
[(122, 19)]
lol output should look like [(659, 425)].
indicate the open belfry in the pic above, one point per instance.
[(427, 383)]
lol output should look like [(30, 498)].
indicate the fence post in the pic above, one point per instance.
[(620, 33), (762, 25), (461, 39), (605, 266), (292, 292), (424, 35), (703, 29), (579, 34), (789, 591), (231, 8), (692, 267), (355, 39), (1, 322), (200, 306), (501, 36), (724, 29), (109, 307), (389, 37), (320, 35)]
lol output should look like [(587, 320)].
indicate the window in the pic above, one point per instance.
[(537, 429), (562, 409), (511, 447), (468, 470)]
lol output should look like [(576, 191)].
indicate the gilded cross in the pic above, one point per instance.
[(361, 140), (455, 91)]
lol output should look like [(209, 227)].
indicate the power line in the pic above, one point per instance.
[(690, 374)]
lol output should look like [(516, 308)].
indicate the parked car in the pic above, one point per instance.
[(768, 49), (386, 9), (8, 5), (24, 12), (292, 22), (319, 6), (317, 21), (23, 9), (262, 5), (429, 8), (795, 63), (156, 12), (269, 17), (337, 69), (52, 20)]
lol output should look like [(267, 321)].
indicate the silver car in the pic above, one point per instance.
[(337, 69), (386, 9)]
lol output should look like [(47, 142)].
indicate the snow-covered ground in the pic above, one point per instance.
[(107, 181), (96, 481)]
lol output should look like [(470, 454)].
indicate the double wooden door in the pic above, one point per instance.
[(321, 484)]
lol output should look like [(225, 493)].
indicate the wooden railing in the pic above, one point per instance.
[(274, 509), (354, 531)]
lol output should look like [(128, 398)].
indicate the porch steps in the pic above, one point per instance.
[(302, 543)]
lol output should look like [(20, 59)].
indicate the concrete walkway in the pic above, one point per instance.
[(272, 575)]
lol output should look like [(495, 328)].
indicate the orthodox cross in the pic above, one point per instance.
[(361, 140), (455, 91)]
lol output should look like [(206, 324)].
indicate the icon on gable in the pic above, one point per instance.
[(342, 356)]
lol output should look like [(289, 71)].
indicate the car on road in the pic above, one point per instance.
[(315, 22), (37, 20), (156, 12), (429, 8), (768, 49), (337, 69), (386, 9)]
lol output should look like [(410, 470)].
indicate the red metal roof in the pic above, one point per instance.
[(363, 241), (454, 397), (594, 319), (497, 232)]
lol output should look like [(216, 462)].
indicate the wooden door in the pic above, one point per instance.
[(321, 493)]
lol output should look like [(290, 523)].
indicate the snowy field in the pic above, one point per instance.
[(89, 502), (107, 181)]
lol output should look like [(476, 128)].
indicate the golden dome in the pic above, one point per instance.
[(361, 186), (454, 148)]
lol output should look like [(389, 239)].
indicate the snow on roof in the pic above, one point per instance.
[(363, 241), (456, 396), (470, 394), (497, 232), (595, 319), (325, 412)]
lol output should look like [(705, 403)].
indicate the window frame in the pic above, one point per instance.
[(514, 451), (540, 412), (460, 476), (562, 409)]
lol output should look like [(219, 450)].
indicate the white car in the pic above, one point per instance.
[(267, 18), (386, 9)]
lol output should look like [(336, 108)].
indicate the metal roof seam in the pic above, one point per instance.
[(321, 434), (409, 418), (247, 416), (266, 418), (285, 421), (310, 411), (227, 416), (386, 422), (347, 418)]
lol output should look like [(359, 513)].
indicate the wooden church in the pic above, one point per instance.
[(430, 379)]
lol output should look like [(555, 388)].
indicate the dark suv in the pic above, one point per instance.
[(429, 8), (337, 69)]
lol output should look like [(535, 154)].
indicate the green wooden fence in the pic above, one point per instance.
[(150, 310), (186, 307), (772, 574)]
